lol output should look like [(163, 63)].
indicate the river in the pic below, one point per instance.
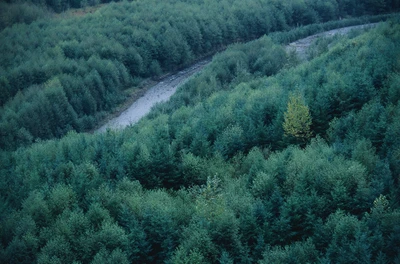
[(160, 92), (301, 45), (166, 87)]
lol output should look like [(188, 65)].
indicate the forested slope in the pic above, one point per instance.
[(222, 173), (67, 72)]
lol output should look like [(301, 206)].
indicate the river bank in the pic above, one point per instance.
[(160, 92), (157, 92)]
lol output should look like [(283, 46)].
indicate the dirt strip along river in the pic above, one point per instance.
[(166, 87)]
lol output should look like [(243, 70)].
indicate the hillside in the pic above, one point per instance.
[(90, 64), (222, 174), (262, 157)]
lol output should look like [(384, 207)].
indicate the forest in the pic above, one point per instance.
[(262, 157), (90, 64)]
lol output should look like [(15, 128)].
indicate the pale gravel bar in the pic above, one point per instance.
[(162, 91), (300, 46)]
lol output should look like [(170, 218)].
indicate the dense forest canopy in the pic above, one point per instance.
[(260, 158), (90, 63)]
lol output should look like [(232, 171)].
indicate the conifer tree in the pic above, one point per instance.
[(297, 118)]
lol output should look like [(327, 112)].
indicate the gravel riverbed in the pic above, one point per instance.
[(167, 86)]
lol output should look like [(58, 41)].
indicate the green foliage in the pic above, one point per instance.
[(20, 12), (57, 6), (297, 119), (348, 241), (296, 253), (95, 63), (116, 256), (208, 177)]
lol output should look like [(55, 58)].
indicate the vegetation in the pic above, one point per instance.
[(260, 158), (91, 62), (297, 119), (14, 13), (57, 6), (215, 179)]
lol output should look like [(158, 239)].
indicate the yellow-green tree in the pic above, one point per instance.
[(297, 118)]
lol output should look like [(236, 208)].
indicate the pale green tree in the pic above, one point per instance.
[(297, 118)]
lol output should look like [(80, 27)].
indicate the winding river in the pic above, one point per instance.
[(160, 92), (166, 87), (300, 46)]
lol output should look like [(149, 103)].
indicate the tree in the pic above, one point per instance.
[(297, 118), (230, 141), (4, 90), (299, 252), (376, 6), (105, 256)]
